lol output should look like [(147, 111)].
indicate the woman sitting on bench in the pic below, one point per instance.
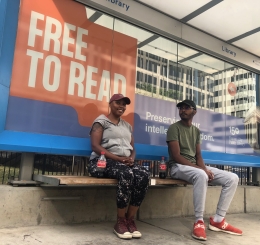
[(113, 136)]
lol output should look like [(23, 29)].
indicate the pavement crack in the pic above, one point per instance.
[(25, 236), (37, 240), (191, 239)]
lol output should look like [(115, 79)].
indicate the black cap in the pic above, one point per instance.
[(187, 102)]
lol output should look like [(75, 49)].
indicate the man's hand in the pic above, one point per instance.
[(210, 174)]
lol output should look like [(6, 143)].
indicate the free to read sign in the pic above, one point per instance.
[(62, 59)]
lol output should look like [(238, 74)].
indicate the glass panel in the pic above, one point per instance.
[(156, 62), (226, 95), (202, 79), (99, 18), (240, 89), (201, 76)]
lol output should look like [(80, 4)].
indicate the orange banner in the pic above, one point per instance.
[(63, 58)]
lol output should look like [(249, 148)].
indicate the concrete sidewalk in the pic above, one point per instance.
[(156, 231)]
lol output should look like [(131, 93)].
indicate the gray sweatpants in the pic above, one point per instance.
[(199, 179)]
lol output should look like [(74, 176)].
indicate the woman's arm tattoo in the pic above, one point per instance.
[(97, 127)]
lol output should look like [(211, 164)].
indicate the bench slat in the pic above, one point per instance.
[(87, 180), (167, 181)]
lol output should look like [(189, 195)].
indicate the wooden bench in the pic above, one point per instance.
[(56, 180)]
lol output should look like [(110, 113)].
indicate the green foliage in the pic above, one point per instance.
[(7, 173), (146, 87)]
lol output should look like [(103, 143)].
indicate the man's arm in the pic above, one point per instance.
[(201, 164), (175, 150), (199, 160)]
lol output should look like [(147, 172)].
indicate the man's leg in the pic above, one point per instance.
[(199, 179), (229, 182)]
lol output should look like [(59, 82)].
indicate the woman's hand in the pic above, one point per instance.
[(130, 161), (126, 160)]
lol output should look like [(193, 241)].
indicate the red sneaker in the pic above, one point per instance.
[(121, 230), (132, 228), (199, 231), (224, 227)]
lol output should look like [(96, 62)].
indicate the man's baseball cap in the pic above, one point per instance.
[(120, 97), (187, 102)]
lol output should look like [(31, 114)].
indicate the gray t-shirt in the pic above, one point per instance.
[(116, 138), (188, 138)]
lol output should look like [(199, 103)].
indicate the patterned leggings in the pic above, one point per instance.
[(132, 181)]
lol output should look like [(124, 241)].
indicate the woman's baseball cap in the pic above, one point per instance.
[(120, 97)]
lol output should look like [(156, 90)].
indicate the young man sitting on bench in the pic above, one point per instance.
[(186, 163)]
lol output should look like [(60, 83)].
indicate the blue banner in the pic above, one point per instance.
[(219, 132)]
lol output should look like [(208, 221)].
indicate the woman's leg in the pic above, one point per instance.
[(139, 188), (124, 175), (131, 212)]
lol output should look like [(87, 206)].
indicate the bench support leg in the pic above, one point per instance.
[(255, 175), (26, 166)]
